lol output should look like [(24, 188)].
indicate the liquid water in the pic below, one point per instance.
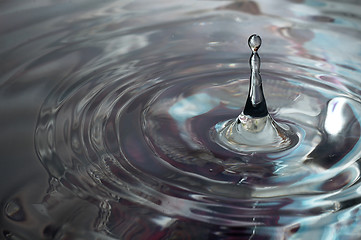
[(254, 130), (110, 112)]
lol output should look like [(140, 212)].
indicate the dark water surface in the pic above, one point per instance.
[(108, 111)]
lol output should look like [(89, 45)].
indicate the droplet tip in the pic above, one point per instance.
[(254, 42)]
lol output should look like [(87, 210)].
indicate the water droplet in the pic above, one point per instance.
[(254, 42), (256, 103), (255, 130)]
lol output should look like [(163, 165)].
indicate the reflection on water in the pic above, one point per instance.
[(107, 112)]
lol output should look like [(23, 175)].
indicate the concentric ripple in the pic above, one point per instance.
[(134, 122), (146, 136)]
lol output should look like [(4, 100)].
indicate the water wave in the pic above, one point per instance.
[(134, 91)]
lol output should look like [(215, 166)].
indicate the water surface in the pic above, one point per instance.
[(108, 111)]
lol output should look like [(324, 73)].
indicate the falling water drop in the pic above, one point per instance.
[(255, 130)]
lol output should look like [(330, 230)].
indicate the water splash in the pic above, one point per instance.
[(152, 136), (124, 105), (254, 130), (256, 106)]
